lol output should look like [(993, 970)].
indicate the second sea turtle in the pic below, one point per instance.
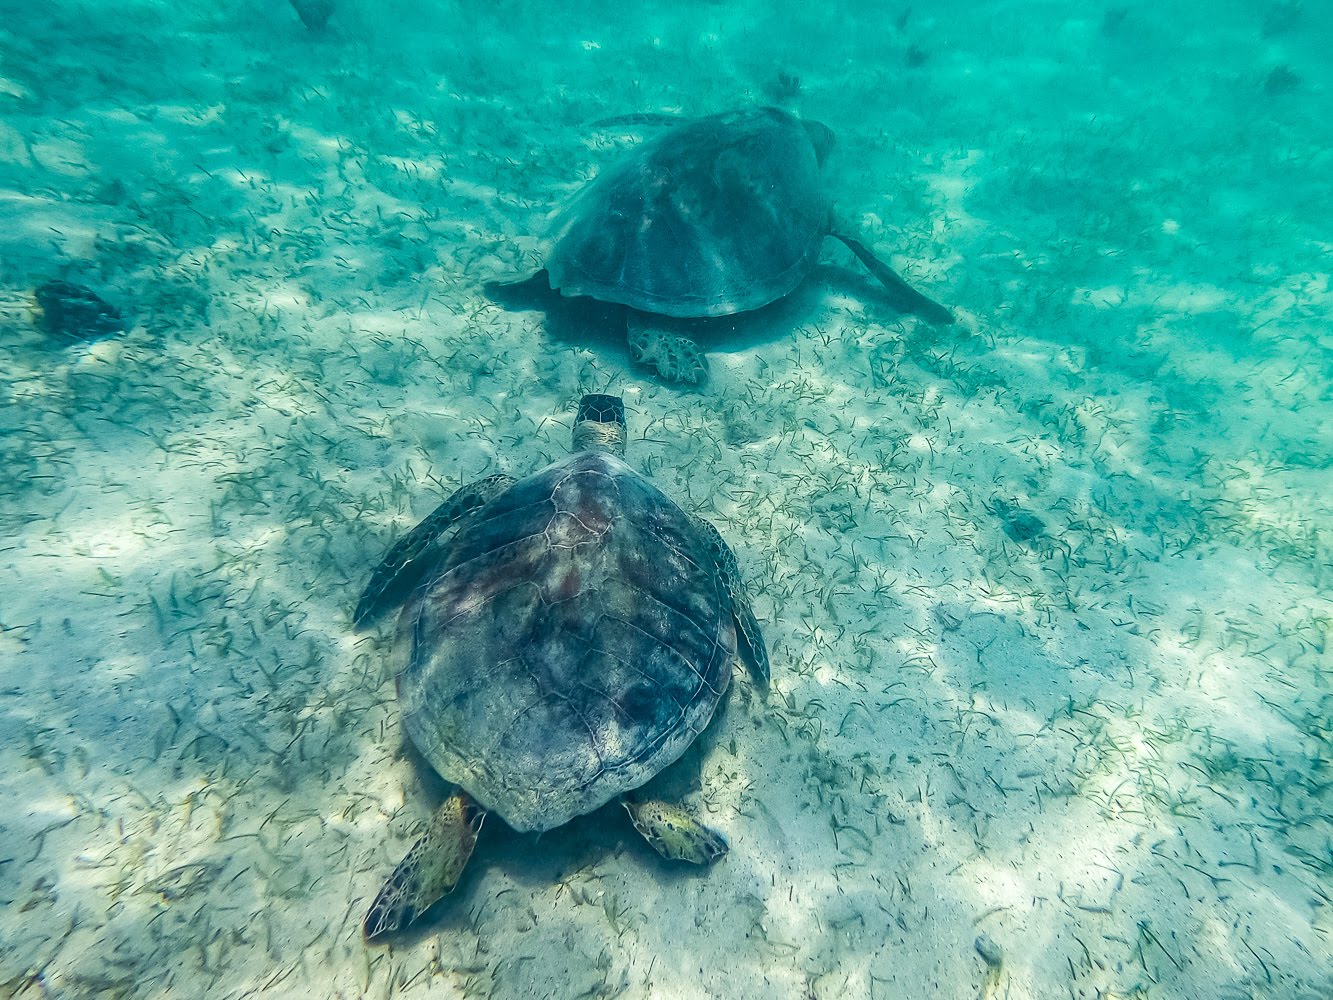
[(716, 216)]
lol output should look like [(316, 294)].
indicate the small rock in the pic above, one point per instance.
[(1019, 524), (70, 312)]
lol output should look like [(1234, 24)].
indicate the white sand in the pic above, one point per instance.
[(1104, 753)]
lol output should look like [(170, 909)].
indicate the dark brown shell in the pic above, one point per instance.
[(574, 641), (717, 216)]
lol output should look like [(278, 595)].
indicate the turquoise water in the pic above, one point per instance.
[(1087, 757)]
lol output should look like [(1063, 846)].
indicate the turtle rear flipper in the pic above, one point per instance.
[(414, 554), (674, 833), (904, 297), (430, 869), (677, 359)]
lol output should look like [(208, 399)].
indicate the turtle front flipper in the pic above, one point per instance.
[(747, 630), (904, 297), (532, 291), (430, 869), (749, 638), (410, 558), (674, 833), (676, 358), (640, 118)]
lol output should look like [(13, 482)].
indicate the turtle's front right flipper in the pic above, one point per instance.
[(904, 297), (409, 559), (430, 870), (749, 639)]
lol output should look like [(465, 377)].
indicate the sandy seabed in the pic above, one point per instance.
[(1091, 763)]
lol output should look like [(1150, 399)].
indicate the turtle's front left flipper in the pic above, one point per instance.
[(409, 559), (904, 297), (430, 870), (640, 118)]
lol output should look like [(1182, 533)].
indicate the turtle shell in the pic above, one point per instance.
[(574, 640), (717, 216)]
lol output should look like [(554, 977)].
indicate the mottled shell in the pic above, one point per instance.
[(575, 640), (716, 216)]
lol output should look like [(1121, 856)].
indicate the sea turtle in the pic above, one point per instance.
[(716, 216), (568, 641)]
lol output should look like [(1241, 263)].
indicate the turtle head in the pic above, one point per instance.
[(600, 424), (821, 137)]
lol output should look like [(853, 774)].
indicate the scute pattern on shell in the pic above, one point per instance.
[(717, 216), (574, 642)]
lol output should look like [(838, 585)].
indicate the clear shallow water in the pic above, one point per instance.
[(1104, 747)]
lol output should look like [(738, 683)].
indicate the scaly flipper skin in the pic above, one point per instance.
[(413, 555), (430, 869), (677, 359), (674, 833), (903, 296), (750, 639)]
